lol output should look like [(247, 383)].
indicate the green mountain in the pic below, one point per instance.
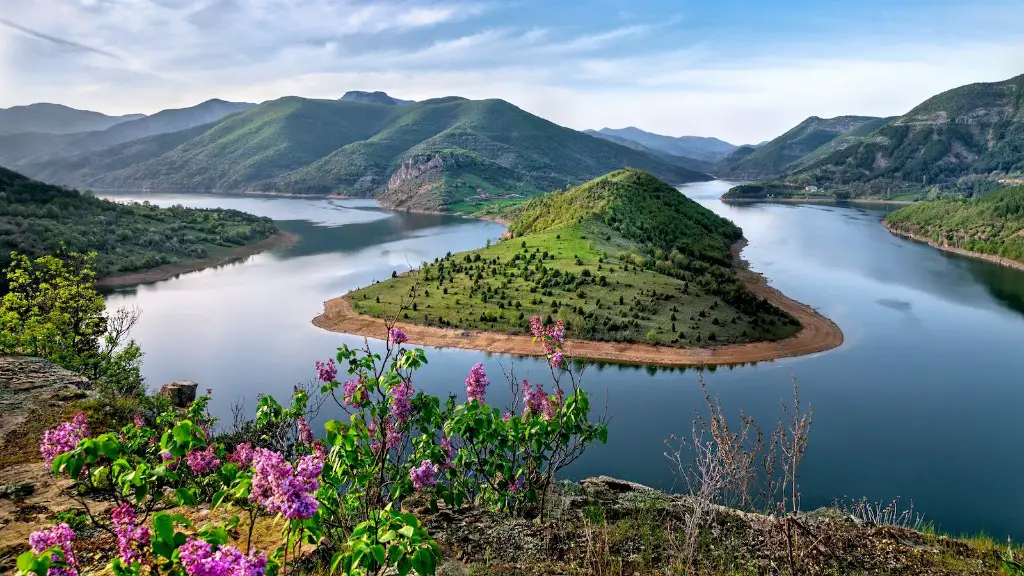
[(625, 258), (28, 148), (46, 118), (991, 224), (805, 139), (691, 163), (432, 155), (696, 147), (374, 98), (963, 140), (38, 219)]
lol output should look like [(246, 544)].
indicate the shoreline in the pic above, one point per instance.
[(818, 334), (815, 201), (992, 258), (168, 271)]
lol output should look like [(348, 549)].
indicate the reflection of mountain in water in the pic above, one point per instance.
[(316, 239), (1005, 284)]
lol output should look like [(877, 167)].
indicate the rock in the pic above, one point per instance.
[(181, 393), (16, 491)]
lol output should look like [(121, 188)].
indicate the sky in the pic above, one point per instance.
[(740, 70)]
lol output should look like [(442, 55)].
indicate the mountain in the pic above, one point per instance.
[(962, 140), (804, 139), (27, 148), (431, 155), (38, 219), (56, 119), (625, 257), (697, 147), (691, 163), (992, 224), (374, 98)]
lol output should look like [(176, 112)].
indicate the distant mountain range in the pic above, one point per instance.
[(374, 98), (811, 139), (56, 119), (696, 147), (691, 163), (963, 142), (27, 148), (430, 155)]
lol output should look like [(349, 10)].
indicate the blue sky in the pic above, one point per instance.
[(740, 70)]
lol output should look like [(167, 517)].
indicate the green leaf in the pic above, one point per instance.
[(378, 553), (406, 531), (26, 562)]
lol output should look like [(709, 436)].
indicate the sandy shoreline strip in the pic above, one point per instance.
[(818, 335), (1009, 263), (168, 271)]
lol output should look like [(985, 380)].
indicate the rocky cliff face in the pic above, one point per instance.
[(418, 183)]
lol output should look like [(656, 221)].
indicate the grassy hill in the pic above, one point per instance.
[(38, 218), (56, 119), (805, 139), (624, 258), (431, 155), (991, 224), (696, 147), (24, 149)]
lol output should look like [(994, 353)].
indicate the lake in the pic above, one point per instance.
[(922, 401)]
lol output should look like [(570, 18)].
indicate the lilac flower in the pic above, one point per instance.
[(446, 445), (476, 383), (305, 432), (169, 459), (139, 421), (556, 359), (132, 540), (397, 337), (328, 371), (424, 475), (551, 339), (506, 416), (60, 536), (63, 438), (354, 392), (202, 461), (199, 559), (516, 486), (401, 402), (242, 455), (534, 398), (280, 488)]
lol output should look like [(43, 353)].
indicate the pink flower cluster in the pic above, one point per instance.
[(278, 487), (355, 394), (392, 436), (305, 432), (397, 337), (60, 536), (242, 455), (476, 383), (446, 445), (139, 421), (401, 402), (538, 403), (199, 559), (326, 371), (202, 461), (132, 540), (551, 338), (63, 438), (424, 475)]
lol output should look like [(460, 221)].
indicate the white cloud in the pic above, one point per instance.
[(179, 52)]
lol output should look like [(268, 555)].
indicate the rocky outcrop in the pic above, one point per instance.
[(181, 393)]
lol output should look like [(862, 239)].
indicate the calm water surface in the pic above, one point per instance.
[(921, 402)]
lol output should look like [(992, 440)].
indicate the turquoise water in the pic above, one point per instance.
[(920, 402)]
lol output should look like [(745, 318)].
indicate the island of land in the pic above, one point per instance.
[(637, 272)]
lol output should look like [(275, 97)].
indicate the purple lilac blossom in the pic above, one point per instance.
[(423, 475), (476, 383), (305, 432), (242, 455), (60, 536), (397, 336), (132, 540), (278, 487), (202, 461), (63, 438), (326, 371), (199, 559), (401, 402)]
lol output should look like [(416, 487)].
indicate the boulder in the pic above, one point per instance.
[(181, 393)]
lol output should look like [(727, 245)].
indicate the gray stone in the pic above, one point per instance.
[(181, 393), (16, 491)]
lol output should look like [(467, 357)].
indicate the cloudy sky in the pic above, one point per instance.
[(741, 70)]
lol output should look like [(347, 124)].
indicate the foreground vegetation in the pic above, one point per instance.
[(623, 258), (991, 224), (38, 219), (410, 483)]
